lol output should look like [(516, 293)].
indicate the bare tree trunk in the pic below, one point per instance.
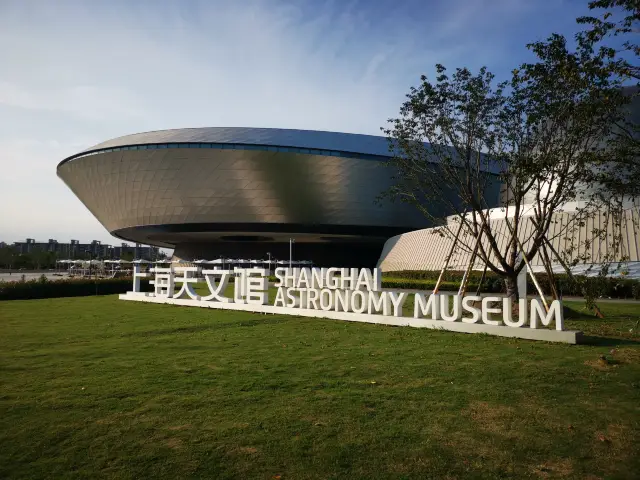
[(484, 275), (549, 271), (511, 282)]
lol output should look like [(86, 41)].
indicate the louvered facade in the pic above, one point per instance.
[(426, 249)]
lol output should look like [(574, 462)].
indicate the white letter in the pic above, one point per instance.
[(317, 277), (137, 275), (294, 301), (290, 277), (377, 302), (279, 301), (348, 278), (312, 298), (186, 280), (422, 307), (239, 285), (444, 308), (303, 298), (332, 281), (486, 310), (377, 280), (303, 278), (256, 286), (342, 301), (507, 312), (280, 273), (163, 283), (555, 313), (362, 304), (365, 281), (467, 304), (397, 299), (326, 299), (217, 289)]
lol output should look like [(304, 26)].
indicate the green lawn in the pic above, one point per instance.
[(94, 387)]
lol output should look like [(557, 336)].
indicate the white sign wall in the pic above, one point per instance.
[(352, 294)]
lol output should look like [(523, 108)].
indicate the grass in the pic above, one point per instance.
[(93, 387)]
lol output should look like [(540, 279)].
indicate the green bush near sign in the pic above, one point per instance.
[(80, 287), (612, 287), (415, 280)]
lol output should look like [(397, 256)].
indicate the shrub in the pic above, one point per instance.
[(597, 286), (43, 288)]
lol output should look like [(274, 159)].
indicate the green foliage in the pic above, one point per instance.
[(43, 288), (614, 18), (35, 260), (560, 120), (128, 256), (415, 284)]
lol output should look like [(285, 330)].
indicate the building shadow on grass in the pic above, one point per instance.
[(607, 341), (204, 327)]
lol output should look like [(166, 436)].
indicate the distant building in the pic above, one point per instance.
[(95, 249)]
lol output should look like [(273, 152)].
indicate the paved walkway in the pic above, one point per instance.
[(16, 276)]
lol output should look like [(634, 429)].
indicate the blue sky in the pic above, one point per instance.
[(74, 74)]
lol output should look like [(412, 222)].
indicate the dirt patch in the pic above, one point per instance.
[(180, 427), (248, 450), (627, 355), (111, 419), (615, 358), (615, 445), (616, 437), (315, 422), (492, 418), (556, 468), (601, 365), (173, 443)]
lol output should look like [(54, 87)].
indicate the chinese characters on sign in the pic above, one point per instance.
[(337, 290)]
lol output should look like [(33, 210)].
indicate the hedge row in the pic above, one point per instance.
[(598, 287), (43, 288), (404, 283), (625, 288)]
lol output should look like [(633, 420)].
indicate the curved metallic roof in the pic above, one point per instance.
[(343, 142), (317, 142)]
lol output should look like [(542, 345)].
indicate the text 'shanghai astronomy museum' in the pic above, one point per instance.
[(244, 192)]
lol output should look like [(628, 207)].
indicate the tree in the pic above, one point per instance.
[(612, 34), (41, 259), (606, 27), (8, 256), (542, 135)]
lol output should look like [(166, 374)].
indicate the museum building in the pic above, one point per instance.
[(245, 192)]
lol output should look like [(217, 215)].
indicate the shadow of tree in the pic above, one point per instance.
[(606, 341)]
